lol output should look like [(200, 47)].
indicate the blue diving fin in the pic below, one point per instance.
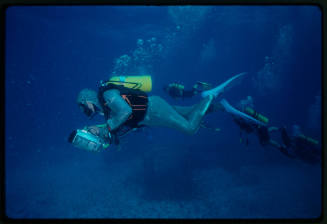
[(237, 113), (220, 89)]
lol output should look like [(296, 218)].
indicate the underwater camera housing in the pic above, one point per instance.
[(83, 139)]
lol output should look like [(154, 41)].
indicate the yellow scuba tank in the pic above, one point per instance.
[(256, 115), (143, 83), (311, 140)]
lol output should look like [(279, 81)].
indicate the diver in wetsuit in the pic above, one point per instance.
[(297, 146), (124, 108), (176, 90), (250, 121), (300, 146)]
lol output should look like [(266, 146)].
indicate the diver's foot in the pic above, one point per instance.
[(212, 92), (215, 92)]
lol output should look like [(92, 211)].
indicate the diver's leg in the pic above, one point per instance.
[(160, 113), (286, 139), (281, 148), (199, 111), (185, 111), (220, 88)]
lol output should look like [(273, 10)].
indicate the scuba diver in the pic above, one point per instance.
[(249, 121), (297, 146), (300, 146), (176, 90), (126, 106)]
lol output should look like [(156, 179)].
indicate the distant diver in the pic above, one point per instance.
[(125, 104), (297, 146), (301, 147), (177, 90), (250, 121)]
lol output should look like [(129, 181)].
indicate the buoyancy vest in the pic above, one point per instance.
[(137, 100)]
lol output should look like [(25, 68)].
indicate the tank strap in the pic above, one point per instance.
[(134, 106)]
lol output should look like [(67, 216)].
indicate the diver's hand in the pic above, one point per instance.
[(94, 130), (103, 133)]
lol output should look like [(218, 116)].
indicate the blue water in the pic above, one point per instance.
[(54, 52)]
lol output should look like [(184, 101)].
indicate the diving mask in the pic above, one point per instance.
[(85, 140)]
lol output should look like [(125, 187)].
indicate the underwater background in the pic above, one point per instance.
[(52, 52)]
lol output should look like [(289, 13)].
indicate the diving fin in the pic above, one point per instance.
[(238, 113), (220, 89)]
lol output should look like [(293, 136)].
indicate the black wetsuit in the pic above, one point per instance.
[(262, 131), (174, 92), (244, 126), (263, 135), (177, 92), (304, 150), (301, 148), (188, 93)]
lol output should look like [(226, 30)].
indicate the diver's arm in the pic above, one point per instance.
[(100, 130), (120, 110)]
